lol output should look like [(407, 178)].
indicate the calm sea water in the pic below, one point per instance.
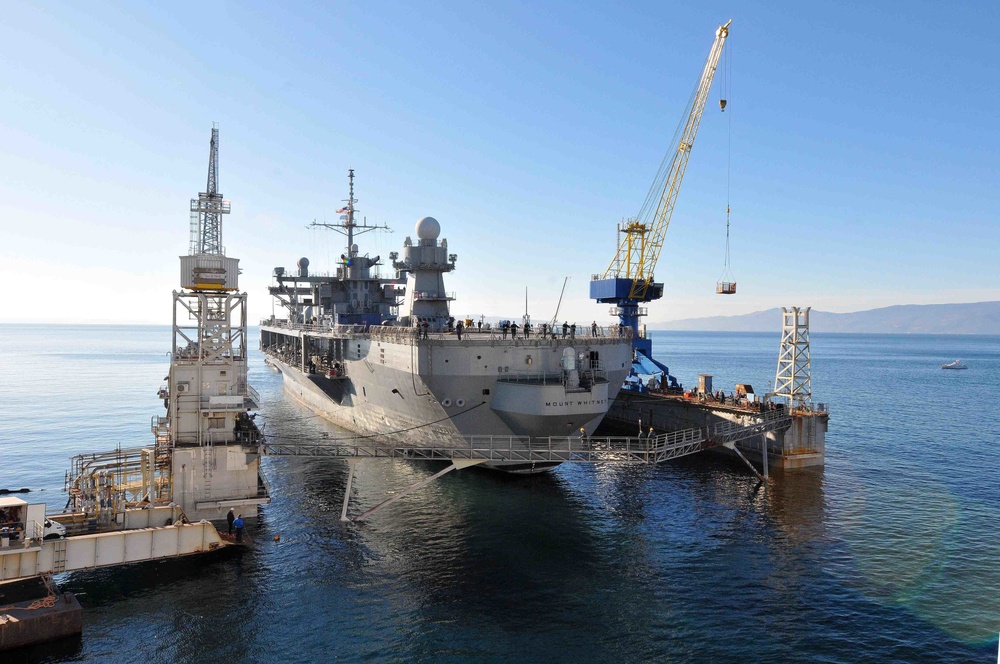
[(891, 553)]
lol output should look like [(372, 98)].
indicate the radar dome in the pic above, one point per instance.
[(303, 262), (428, 228)]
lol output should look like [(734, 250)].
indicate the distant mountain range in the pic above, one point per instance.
[(972, 318)]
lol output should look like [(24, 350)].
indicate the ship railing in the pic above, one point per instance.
[(393, 333), (427, 295), (289, 325), (583, 333), (553, 377), (347, 330)]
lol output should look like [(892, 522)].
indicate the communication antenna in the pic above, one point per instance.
[(555, 316), (526, 319)]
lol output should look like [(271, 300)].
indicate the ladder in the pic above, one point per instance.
[(59, 556), (207, 461)]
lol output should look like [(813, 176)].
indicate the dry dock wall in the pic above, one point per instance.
[(30, 614), (800, 445)]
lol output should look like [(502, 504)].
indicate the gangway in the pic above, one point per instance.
[(474, 450)]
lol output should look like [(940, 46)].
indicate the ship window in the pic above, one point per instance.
[(364, 392), (486, 391), (479, 357)]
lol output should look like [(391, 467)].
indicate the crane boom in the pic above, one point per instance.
[(639, 248), (628, 280)]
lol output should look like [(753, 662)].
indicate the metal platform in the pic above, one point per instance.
[(475, 450)]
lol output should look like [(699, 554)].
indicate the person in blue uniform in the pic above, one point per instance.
[(238, 524)]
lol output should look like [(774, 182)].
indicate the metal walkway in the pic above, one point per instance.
[(554, 449), (36, 556)]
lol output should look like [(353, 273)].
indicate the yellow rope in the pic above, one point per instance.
[(44, 603)]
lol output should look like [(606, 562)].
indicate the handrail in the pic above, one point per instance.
[(584, 449), (494, 331), (555, 377)]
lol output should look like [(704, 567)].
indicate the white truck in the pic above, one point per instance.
[(20, 520)]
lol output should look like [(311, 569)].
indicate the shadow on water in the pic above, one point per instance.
[(536, 558), (172, 610), (512, 555), (107, 585), (63, 650)]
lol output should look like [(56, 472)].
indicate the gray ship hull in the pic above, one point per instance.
[(440, 391)]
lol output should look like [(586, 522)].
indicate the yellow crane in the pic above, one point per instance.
[(628, 281), (641, 238)]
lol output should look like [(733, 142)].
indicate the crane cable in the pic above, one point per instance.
[(727, 275)]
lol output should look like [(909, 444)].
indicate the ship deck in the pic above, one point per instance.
[(470, 336)]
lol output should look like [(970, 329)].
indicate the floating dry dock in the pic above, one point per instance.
[(797, 441), (800, 440)]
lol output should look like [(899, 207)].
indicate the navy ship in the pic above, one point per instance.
[(384, 357)]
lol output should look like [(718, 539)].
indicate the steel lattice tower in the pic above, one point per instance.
[(208, 208), (793, 377)]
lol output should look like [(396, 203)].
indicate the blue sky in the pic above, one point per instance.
[(864, 148)]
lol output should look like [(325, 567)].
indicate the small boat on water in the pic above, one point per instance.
[(957, 364)]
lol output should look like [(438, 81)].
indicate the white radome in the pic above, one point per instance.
[(428, 228)]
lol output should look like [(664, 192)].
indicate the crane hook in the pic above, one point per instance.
[(722, 105)]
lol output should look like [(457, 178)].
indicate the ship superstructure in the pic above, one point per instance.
[(384, 357)]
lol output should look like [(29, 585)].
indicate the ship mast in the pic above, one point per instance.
[(350, 208), (347, 225)]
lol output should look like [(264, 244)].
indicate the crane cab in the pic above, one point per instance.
[(725, 288)]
